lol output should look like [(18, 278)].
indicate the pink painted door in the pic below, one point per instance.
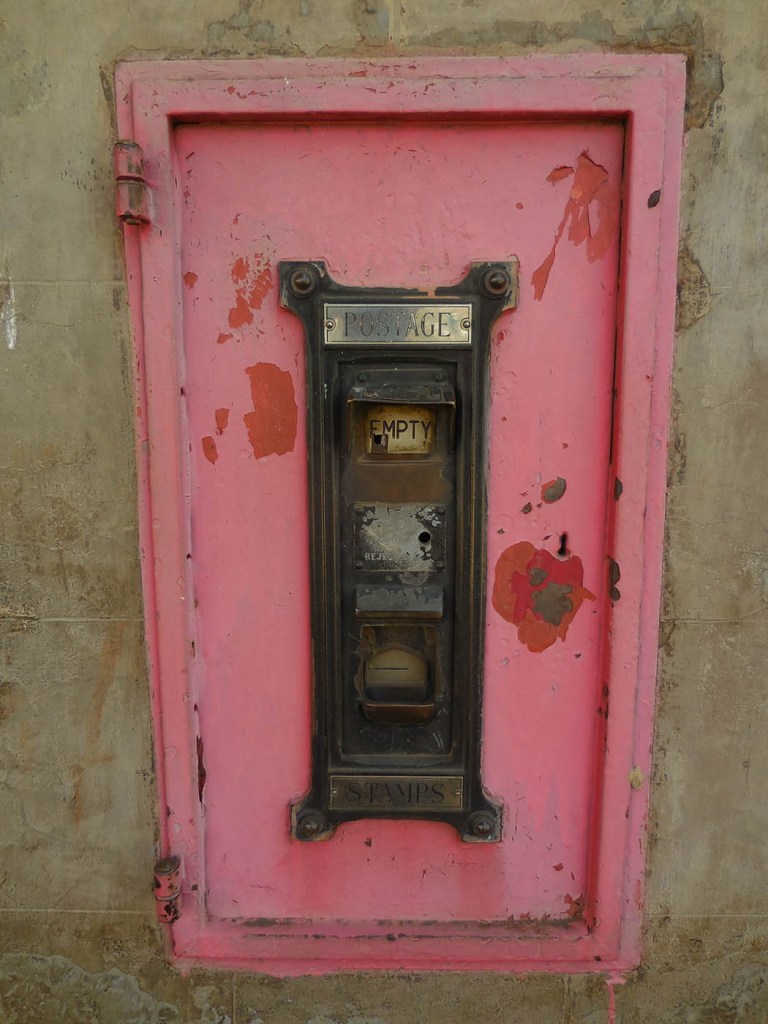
[(400, 204)]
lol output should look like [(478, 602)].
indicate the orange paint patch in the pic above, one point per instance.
[(272, 424), (209, 450), (222, 419), (639, 894), (190, 279), (559, 173), (240, 269), (240, 313), (222, 338), (540, 276), (538, 593), (592, 210), (261, 286)]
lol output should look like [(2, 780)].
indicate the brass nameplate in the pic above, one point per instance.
[(397, 323), (384, 792)]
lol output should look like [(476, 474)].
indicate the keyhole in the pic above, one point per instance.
[(563, 549)]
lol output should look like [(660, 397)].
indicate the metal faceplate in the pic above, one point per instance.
[(396, 419)]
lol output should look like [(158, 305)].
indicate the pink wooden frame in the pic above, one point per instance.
[(648, 92)]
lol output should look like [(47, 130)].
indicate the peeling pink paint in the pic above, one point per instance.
[(254, 280), (592, 209), (272, 424), (190, 279), (222, 338)]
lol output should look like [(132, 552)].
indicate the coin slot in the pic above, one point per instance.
[(397, 676)]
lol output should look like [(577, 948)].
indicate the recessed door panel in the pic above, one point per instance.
[(401, 205)]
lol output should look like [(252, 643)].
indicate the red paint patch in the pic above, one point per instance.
[(592, 210), (538, 593), (222, 419), (272, 424), (190, 279), (209, 449), (222, 338)]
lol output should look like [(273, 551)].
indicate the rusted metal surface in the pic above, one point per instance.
[(167, 889)]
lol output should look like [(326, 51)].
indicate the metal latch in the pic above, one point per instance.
[(167, 889), (132, 191)]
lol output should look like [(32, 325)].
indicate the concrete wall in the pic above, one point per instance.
[(78, 939)]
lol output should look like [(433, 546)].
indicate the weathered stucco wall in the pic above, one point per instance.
[(78, 939)]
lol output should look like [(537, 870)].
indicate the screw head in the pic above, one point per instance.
[(496, 282), (303, 281), (310, 824), (330, 324), (482, 825), (466, 324)]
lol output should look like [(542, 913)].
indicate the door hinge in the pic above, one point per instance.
[(132, 191), (167, 889)]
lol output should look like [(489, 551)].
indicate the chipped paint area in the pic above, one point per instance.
[(553, 490), (8, 315), (253, 279), (272, 424), (593, 212), (538, 593)]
